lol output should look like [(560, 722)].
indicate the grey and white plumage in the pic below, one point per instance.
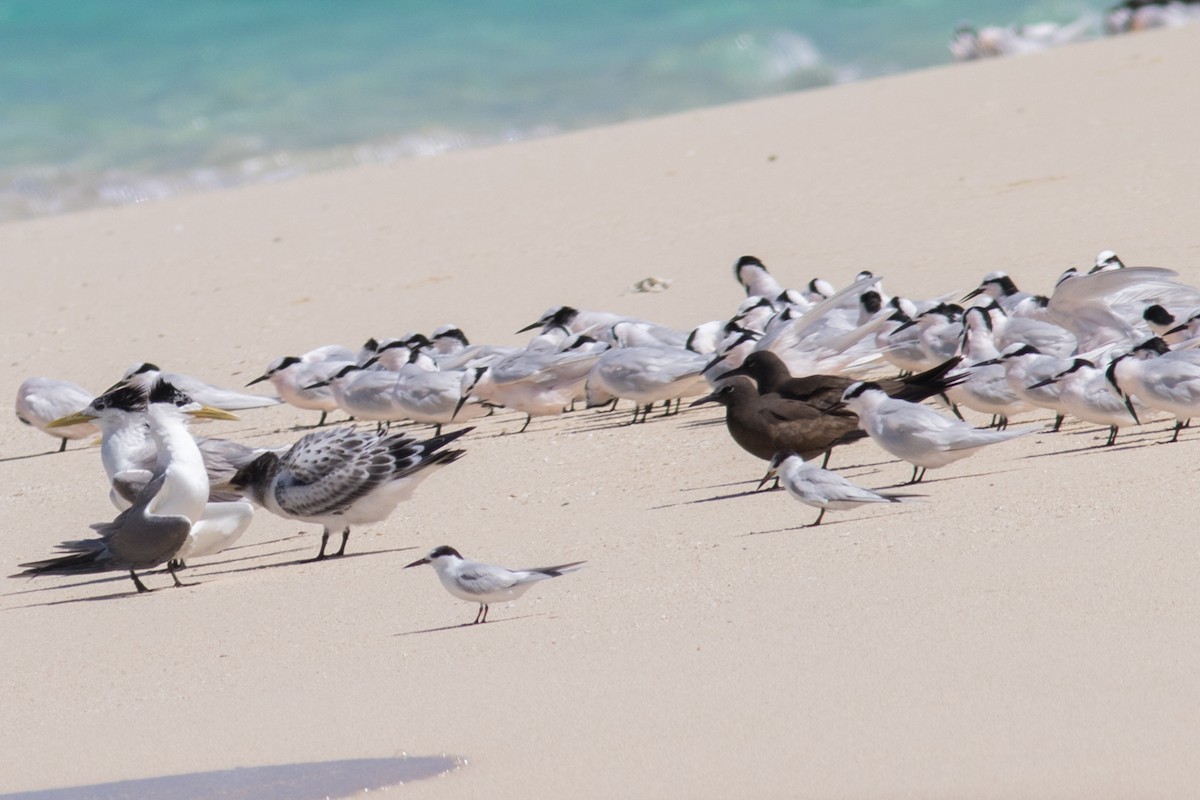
[(302, 383), (477, 582), (1160, 379), (145, 374), (915, 433), (646, 375), (41, 401), (153, 530), (132, 459), (1085, 393), (822, 488), (343, 476), (540, 381)]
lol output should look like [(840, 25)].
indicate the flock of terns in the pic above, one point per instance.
[(795, 369)]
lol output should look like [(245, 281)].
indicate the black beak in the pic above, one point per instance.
[(1039, 384), (733, 372), (770, 474), (708, 398), (316, 385), (902, 326), (417, 563), (971, 294), (1176, 329), (259, 379), (537, 324)]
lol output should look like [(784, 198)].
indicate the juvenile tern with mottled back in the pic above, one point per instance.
[(343, 476)]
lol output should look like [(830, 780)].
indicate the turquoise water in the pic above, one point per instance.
[(115, 101)]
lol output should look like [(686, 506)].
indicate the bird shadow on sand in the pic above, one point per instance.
[(111, 579), (733, 496), (1131, 441), (468, 625), (54, 452), (197, 576), (945, 479), (828, 523), (300, 561)]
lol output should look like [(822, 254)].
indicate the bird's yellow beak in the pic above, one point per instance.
[(208, 412), (78, 418)]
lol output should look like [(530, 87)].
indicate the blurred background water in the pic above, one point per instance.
[(119, 101)]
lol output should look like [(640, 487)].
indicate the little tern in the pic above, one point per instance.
[(484, 584), (822, 488)]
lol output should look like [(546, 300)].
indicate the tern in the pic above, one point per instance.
[(822, 488), (303, 384), (41, 401), (340, 477), (145, 374), (915, 433), (154, 529), (1158, 380), (131, 460), (484, 584)]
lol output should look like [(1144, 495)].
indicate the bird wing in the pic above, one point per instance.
[(139, 539), (326, 471), (485, 579)]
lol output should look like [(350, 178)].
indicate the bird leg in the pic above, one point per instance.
[(1002, 425), (345, 535), (1178, 428), (953, 406), (1112, 436), (141, 587), (481, 614), (437, 431), (174, 577), (1058, 421), (176, 563), (324, 541), (915, 477), (825, 463), (321, 421), (62, 446), (528, 419), (820, 517)]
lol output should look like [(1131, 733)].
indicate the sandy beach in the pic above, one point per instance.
[(1028, 631)]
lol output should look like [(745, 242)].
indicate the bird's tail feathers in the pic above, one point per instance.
[(83, 561), (561, 569)]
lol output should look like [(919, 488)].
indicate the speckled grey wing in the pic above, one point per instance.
[(326, 471)]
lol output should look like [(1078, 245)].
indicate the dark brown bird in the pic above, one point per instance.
[(825, 391), (763, 425)]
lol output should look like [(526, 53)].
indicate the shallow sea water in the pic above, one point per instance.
[(119, 101)]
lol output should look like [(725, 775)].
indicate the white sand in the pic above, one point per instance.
[(1030, 631)]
